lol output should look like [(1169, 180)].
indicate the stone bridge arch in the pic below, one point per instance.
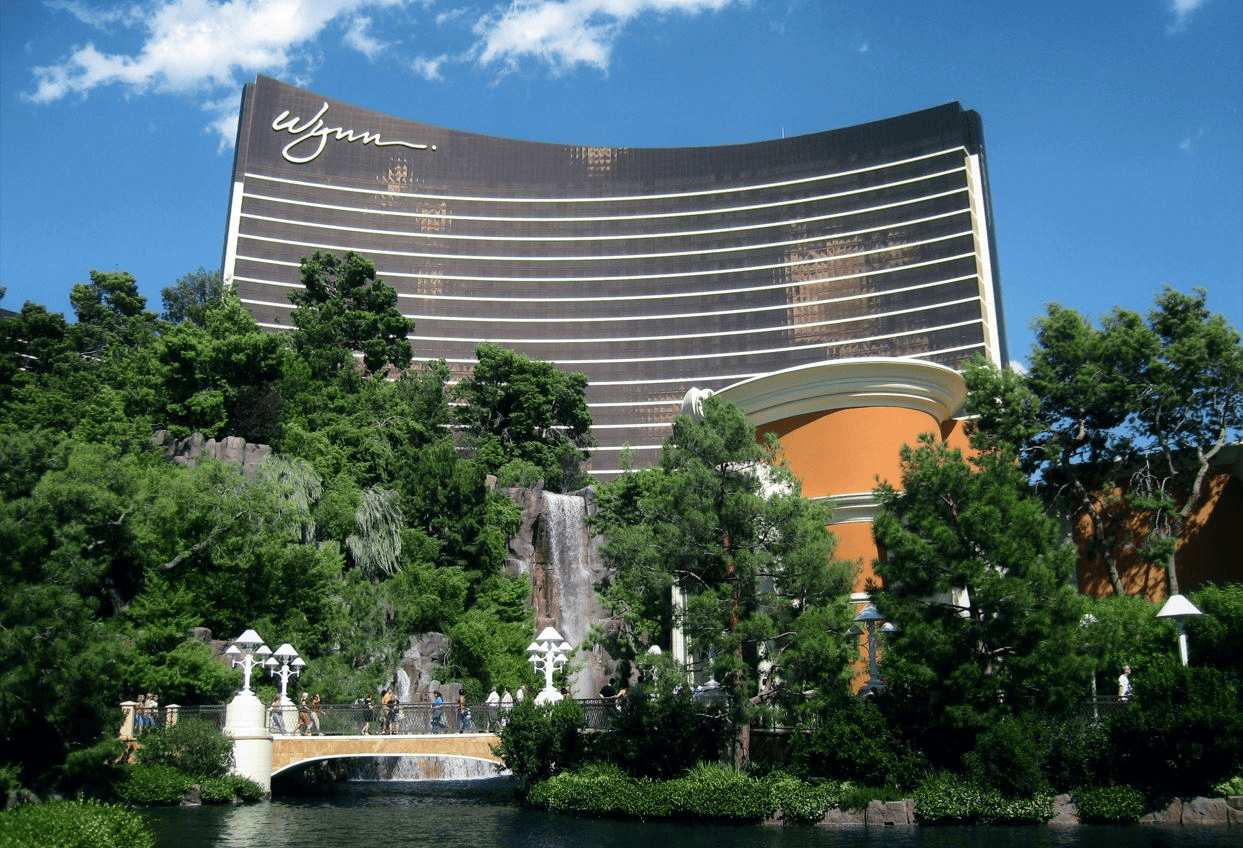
[(437, 755)]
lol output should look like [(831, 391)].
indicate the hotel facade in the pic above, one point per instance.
[(832, 285)]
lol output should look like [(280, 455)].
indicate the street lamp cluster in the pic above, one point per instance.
[(548, 654), (249, 651)]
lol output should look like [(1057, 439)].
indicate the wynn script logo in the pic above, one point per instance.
[(311, 137)]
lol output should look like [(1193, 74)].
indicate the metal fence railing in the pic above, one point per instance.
[(356, 719)]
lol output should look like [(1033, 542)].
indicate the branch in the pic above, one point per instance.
[(197, 547)]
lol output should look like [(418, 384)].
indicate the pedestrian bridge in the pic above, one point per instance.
[(445, 755)]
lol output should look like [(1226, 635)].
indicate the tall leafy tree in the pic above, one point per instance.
[(520, 411), (219, 374), (344, 309), (976, 578), (1120, 423), (192, 295), (721, 520)]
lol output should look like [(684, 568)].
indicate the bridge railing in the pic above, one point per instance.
[(351, 719)]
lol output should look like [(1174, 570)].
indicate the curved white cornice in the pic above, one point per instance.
[(847, 383), (851, 507)]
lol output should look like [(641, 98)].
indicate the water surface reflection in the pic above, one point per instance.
[(480, 813)]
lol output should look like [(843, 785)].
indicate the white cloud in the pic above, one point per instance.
[(192, 46), (208, 48), (1182, 10), (357, 36), (429, 68), (100, 18), (566, 33)]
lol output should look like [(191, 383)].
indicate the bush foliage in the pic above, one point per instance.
[(74, 824), (154, 785), (192, 745), (1109, 804), (851, 740), (949, 799)]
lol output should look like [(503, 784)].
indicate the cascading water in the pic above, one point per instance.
[(564, 571)]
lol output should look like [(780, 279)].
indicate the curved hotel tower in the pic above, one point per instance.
[(864, 254)]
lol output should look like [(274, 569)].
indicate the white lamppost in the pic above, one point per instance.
[(245, 719), (870, 617), (247, 651), (548, 654), (1178, 608), (285, 663)]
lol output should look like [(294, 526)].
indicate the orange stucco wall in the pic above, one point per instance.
[(1208, 550), (855, 543), (845, 450)]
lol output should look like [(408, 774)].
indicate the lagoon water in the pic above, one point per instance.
[(481, 814)]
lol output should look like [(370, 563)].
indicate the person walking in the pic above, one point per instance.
[(368, 714), (1124, 684), (438, 717), (390, 705), (507, 704), (491, 706), (304, 716), (316, 708), (463, 713), (274, 716)]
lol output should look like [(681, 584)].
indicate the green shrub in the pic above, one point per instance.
[(1232, 786), (660, 738), (1078, 753), (10, 778), (1009, 758), (950, 799), (852, 740), (192, 745), (802, 802), (999, 809), (216, 790), (149, 785), (74, 824), (92, 771), (228, 789), (1183, 734), (538, 742), (717, 791), (1109, 804), (245, 789), (602, 790)]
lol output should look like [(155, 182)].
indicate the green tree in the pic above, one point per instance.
[(343, 309), (976, 578), (720, 520), (1122, 422), (518, 410), (191, 296), (219, 374)]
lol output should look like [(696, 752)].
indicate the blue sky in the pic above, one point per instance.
[(1114, 129)]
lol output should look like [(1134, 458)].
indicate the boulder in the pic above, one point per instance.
[(1173, 814), (1065, 813), (837, 817), (890, 813), (1206, 811)]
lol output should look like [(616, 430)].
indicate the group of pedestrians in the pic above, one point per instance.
[(147, 708), (497, 707), (309, 713)]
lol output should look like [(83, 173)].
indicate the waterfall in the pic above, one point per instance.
[(564, 571)]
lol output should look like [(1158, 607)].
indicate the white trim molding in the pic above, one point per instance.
[(850, 383)]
